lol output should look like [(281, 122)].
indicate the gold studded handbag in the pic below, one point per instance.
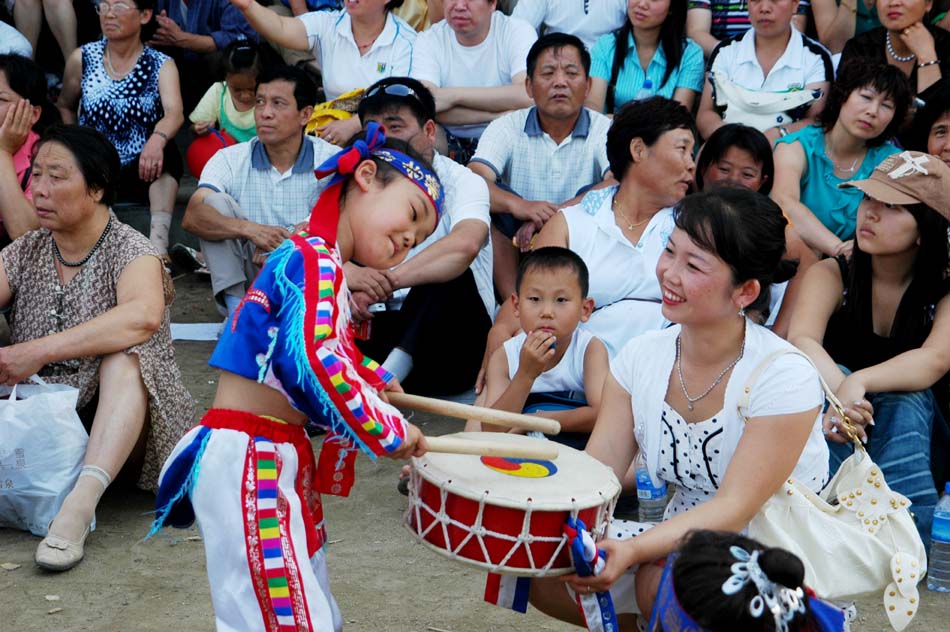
[(855, 536)]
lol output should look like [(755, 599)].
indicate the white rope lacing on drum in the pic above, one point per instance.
[(417, 509)]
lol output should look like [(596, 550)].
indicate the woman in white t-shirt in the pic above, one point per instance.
[(356, 47), (674, 395)]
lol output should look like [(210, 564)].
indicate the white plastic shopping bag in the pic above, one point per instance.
[(42, 446)]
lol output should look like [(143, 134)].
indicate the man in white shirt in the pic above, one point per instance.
[(252, 195), (587, 19), (439, 303), (474, 63), (535, 160)]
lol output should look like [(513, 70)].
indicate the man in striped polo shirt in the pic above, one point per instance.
[(536, 159)]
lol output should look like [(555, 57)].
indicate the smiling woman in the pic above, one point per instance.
[(672, 395)]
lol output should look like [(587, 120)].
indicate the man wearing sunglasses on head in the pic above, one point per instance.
[(437, 304)]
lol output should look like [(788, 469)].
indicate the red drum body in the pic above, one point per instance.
[(506, 515)]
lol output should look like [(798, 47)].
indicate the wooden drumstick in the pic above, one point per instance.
[(544, 450), (464, 411)]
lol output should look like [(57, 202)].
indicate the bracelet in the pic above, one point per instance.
[(161, 133), (853, 10), (782, 131), (924, 64)]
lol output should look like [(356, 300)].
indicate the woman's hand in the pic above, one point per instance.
[(151, 159), (15, 126), (918, 39), (18, 362), (200, 128), (340, 132), (859, 411), (621, 555)]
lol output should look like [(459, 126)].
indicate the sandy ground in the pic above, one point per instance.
[(382, 579)]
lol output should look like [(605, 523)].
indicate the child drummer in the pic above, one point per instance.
[(247, 472), (553, 368)]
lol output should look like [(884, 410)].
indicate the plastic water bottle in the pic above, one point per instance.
[(652, 499), (938, 564), (646, 90)]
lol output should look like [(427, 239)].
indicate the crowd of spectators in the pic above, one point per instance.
[(551, 123)]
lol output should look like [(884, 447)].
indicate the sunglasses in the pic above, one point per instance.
[(397, 90)]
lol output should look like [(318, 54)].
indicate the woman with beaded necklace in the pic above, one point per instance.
[(130, 93), (90, 304), (674, 396), (905, 40)]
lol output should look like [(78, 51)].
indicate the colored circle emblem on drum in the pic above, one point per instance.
[(522, 468)]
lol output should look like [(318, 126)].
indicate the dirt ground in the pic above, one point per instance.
[(381, 578)]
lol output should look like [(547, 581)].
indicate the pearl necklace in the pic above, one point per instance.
[(679, 371), (893, 53), (630, 225), (95, 247)]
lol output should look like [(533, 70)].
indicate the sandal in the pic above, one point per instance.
[(59, 554)]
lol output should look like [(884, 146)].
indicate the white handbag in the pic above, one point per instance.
[(855, 536), (760, 110), (42, 447)]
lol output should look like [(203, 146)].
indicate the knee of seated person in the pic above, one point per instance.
[(119, 365), (920, 399), (222, 202)]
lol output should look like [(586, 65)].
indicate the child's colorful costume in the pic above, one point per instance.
[(251, 481)]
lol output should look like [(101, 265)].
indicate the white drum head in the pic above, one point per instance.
[(575, 480)]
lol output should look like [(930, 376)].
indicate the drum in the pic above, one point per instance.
[(505, 514)]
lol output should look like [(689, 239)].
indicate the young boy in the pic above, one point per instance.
[(552, 366), (247, 472)]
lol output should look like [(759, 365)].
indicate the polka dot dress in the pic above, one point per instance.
[(689, 456), (689, 453), (125, 111)]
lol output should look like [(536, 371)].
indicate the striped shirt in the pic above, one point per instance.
[(731, 17), (534, 166), (266, 195), (631, 78)]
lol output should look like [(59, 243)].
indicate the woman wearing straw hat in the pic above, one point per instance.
[(877, 325)]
